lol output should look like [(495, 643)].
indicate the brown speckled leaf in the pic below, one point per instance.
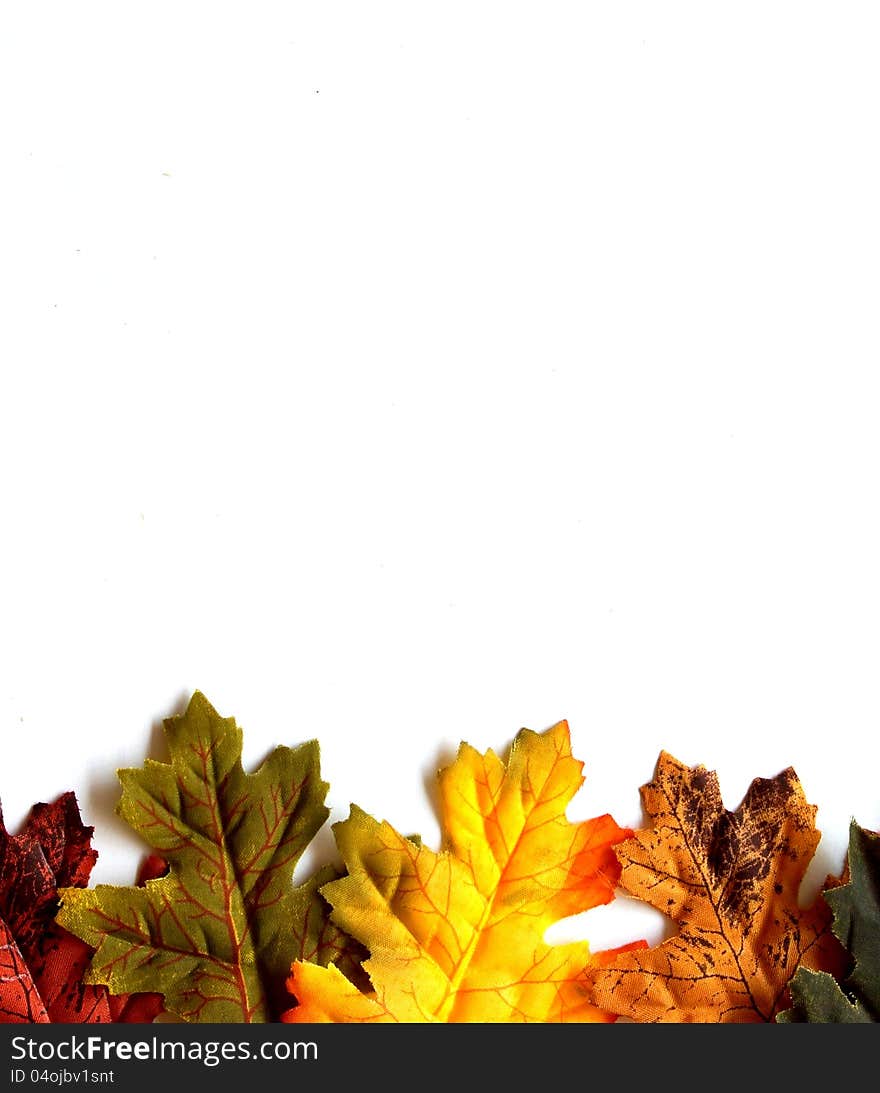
[(730, 880)]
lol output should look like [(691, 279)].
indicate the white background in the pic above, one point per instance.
[(403, 373)]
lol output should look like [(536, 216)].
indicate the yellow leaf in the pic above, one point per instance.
[(458, 936)]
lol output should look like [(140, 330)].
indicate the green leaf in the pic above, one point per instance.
[(818, 997), (856, 908), (216, 935), (319, 940)]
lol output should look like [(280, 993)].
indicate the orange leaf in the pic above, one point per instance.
[(731, 881), (459, 935)]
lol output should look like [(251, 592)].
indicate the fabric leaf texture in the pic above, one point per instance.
[(41, 964), (458, 935), (855, 906), (730, 881), (216, 934)]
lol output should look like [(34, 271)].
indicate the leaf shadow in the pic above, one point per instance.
[(104, 791), (444, 755)]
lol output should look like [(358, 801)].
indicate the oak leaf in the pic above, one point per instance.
[(41, 964), (730, 880), (458, 936), (818, 996), (216, 934)]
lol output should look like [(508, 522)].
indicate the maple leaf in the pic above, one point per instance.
[(41, 964), (216, 934), (817, 996), (458, 936), (730, 880), (318, 940)]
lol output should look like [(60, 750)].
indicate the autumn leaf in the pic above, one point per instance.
[(20, 1001), (458, 936), (730, 880), (855, 907), (318, 940), (217, 933), (41, 964)]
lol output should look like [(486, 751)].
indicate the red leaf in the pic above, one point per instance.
[(20, 1001), (41, 964)]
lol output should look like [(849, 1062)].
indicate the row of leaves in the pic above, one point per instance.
[(214, 930)]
